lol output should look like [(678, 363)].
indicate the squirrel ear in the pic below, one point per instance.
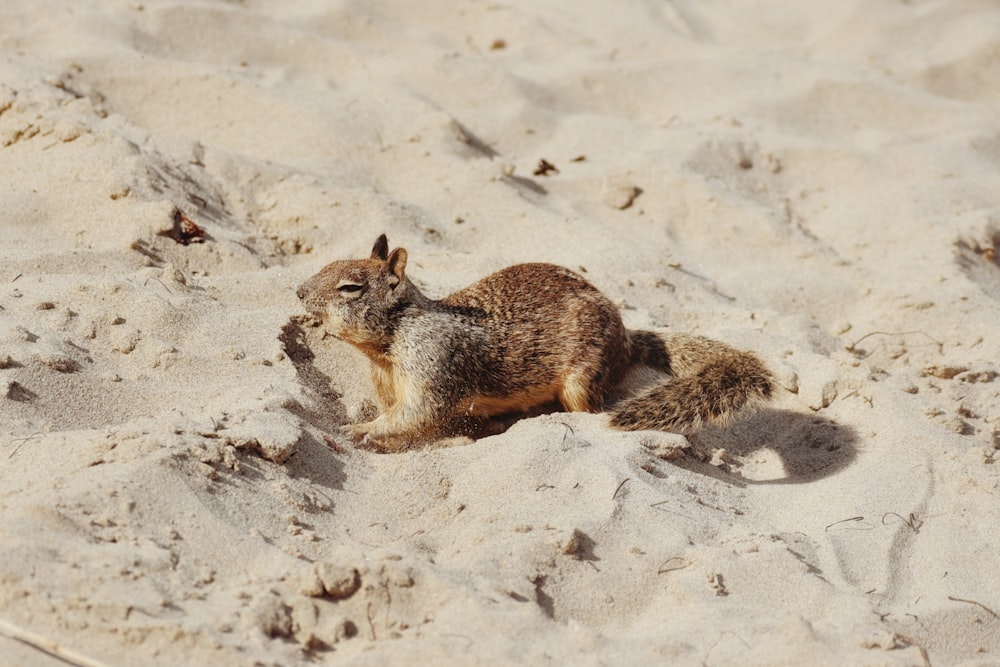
[(397, 263), (381, 248)]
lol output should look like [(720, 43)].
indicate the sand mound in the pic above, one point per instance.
[(814, 183)]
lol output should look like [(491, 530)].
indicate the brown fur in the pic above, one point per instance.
[(522, 338)]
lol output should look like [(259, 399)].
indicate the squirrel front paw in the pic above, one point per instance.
[(369, 436), (366, 436), (356, 432), (361, 437)]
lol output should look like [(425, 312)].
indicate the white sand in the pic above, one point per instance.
[(819, 182)]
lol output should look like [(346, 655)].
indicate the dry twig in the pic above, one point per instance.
[(978, 604), (46, 645)]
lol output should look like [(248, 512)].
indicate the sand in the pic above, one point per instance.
[(815, 182)]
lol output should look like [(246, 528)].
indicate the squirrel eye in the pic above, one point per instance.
[(349, 288)]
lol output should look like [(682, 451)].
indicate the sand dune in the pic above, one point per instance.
[(816, 183)]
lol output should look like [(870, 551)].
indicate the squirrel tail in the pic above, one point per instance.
[(711, 384)]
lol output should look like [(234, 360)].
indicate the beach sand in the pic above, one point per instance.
[(815, 182)]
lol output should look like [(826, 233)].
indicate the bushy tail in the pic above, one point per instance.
[(711, 384)]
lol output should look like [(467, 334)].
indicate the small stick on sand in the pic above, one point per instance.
[(672, 564), (852, 347), (978, 604), (615, 494), (371, 625), (913, 522), (21, 444), (853, 519), (45, 645)]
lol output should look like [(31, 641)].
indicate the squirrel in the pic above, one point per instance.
[(519, 340)]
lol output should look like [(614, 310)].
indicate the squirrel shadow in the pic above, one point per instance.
[(325, 412), (330, 412), (809, 446)]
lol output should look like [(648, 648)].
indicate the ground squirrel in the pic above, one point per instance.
[(520, 340)]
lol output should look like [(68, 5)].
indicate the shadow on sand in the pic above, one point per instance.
[(810, 447), (317, 458)]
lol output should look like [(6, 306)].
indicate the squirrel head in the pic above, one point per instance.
[(357, 299)]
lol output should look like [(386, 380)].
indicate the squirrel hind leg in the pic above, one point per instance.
[(579, 394)]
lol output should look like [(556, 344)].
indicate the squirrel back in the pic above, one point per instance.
[(522, 339)]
